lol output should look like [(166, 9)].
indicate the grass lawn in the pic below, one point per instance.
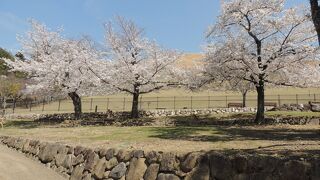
[(182, 139)]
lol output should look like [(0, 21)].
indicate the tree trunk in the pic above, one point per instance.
[(76, 100), (244, 97), (135, 105), (315, 11), (260, 105)]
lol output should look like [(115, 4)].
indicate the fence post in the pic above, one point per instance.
[(157, 102), (174, 103), (96, 109), (279, 100), (43, 105), (59, 104), (30, 105), (209, 99), (124, 104), (90, 104), (314, 97), (107, 103), (226, 101), (191, 102), (297, 100)]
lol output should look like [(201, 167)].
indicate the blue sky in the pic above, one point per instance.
[(177, 24)]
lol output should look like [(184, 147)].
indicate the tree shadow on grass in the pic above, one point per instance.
[(207, 120), (21, 124), (189, 133), (269, 133), (292, 142), (226, 133)]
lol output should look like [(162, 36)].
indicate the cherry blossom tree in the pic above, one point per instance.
[(139, 65), (257, 41), (241, 86), (56, 65)]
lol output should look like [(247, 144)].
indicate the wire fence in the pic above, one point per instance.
[(48, 105)]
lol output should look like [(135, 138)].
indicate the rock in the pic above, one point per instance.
[(70, 150), (59, 169), (26, 147), (259, 175), (79, 159), (266, 164), (111, 163), (242, 176), (151, 172), (78, 150), (69, 171), (87, 152), (110, 153), (168, 162), (48, 165), (77, 173), (67, 163), (182, 156), (19, 144), (62, 149), (91, 161), (59, 159), (296, 170), (65, 175), (180, 173), (97, 151), (99, 168), (315, 107), (87, 177), (138, 153), (314, 122), (315, 171), (190, 162), (124, 155), (118, 171), (137, 169), (201, 172), (220, 166), (34, 143), (127, 163), (106, 174), (240, 163), (35, 150), (103, 152), (162, 176), (153, 157), (48, 152)]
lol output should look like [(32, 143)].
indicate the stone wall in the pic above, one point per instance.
[(186, 112), (148, 113), (79, 163)]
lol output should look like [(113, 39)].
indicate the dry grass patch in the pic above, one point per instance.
[(182, 139)]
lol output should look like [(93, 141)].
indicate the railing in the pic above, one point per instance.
[(151, 103)]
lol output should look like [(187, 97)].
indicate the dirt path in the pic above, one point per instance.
[(15, 166)]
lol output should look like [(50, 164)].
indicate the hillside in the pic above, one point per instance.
[(189, 60)]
